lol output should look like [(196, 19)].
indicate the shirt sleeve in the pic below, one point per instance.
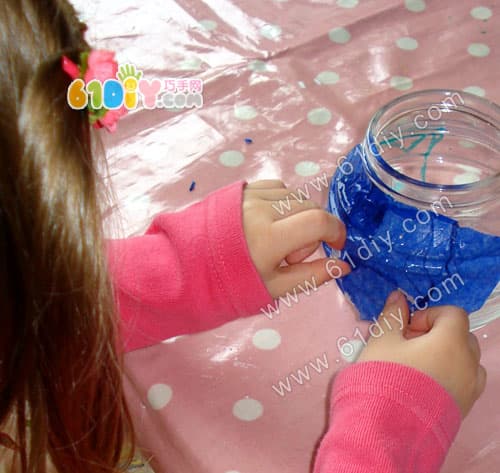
[(387, 418), (190, 272)]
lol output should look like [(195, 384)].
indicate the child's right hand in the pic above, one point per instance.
[(437, 342)]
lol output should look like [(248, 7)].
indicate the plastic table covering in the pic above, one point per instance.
[(301, 79)]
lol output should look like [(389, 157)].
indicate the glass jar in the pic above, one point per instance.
[(439, 151)]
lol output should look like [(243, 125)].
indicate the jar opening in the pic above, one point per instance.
[(433, 142)]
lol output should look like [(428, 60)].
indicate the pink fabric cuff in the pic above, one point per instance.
[(190, 272), (387, 418), (238, 279), (409, 387)]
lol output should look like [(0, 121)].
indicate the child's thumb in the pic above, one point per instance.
[(395, 317), (301, 277)]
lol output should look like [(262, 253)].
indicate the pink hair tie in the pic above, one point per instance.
[(70, 68), (101, 65)]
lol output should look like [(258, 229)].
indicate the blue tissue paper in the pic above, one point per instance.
[(428, 256)]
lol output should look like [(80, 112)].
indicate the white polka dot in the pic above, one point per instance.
[(271, 31), (245, 112), (159, 395), (231, 158), (339, 35), (466, 178), (319, 116), (327, 78), (472, 172), (307, 168), (401, 82), (247, 409), (208, 25), (261, 66), (415, 6), (407, 43), (478, 49), (266, 339), (351, 350), (190, 64), (481, 13), (257, 65), (347, 3), (466, 144), (473, 89)]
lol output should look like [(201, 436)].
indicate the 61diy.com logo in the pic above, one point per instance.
[(129, 87), (111, 94)]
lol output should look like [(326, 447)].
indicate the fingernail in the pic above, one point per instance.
[(394, 297)]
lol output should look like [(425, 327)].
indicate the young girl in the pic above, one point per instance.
[(72, 303)]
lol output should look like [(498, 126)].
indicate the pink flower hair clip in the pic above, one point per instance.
[(101, 65)]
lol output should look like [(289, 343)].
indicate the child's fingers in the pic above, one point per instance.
[(302, 254), (419, 322), (280, 194), (280, 211), (281, 198), (306, 277), (474, 346), (410, 333), (305, 228), (451, 319), (266, 184), (482, 378), (394, 318)]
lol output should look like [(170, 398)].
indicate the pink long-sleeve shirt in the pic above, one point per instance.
[(192, 271)]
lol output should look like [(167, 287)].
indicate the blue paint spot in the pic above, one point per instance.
[(192, 186), (248, 141)]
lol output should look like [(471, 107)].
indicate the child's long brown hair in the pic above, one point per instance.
[(61, 396)]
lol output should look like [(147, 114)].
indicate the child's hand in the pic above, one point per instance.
[(437, 342), (275, 234)]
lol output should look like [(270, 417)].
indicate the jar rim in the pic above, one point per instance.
[(480, 102)]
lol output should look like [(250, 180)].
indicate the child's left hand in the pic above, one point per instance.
[(289, 231)]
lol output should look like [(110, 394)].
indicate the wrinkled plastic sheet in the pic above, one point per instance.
[(274, 71)]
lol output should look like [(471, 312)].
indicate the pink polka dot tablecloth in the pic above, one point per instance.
[(300, 80)]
